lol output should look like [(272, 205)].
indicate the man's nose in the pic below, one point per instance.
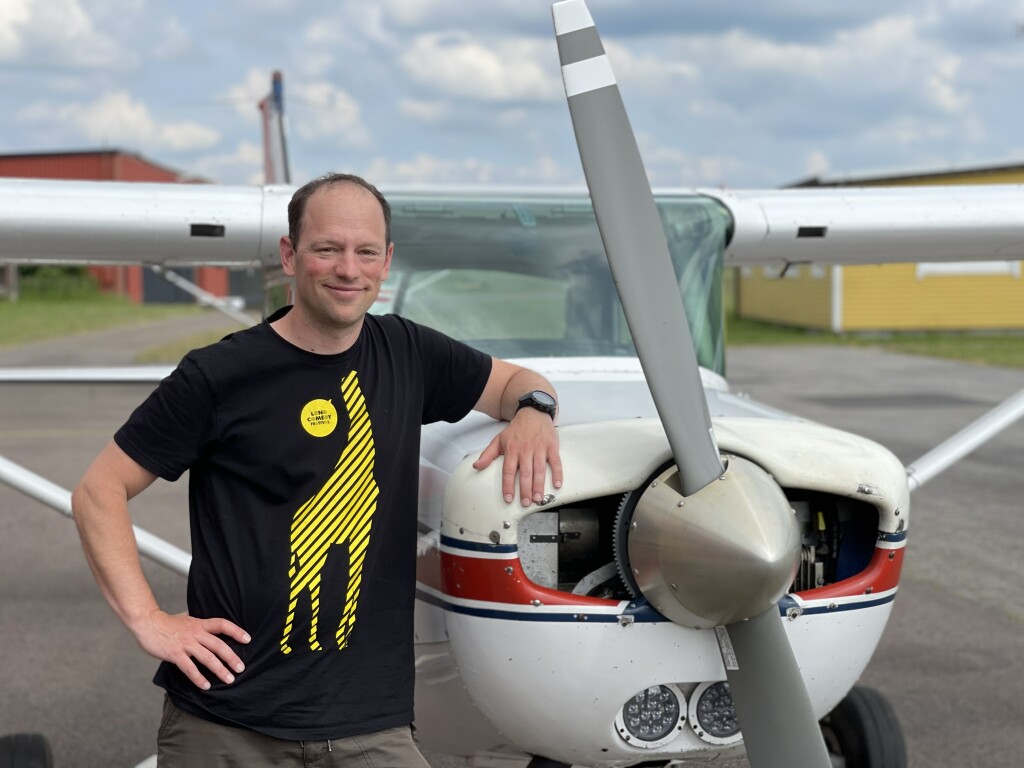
[(346, 264)]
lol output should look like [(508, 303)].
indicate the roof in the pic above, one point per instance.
[(875, 179)]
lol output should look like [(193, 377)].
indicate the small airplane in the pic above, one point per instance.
[(713, 572)]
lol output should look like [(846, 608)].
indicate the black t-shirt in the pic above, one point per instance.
[(302, 502)]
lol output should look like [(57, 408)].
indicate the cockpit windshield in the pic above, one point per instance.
[(527, 276)]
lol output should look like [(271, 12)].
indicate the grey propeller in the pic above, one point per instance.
[(711, 546)]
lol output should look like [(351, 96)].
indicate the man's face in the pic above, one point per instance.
[(341, 259)]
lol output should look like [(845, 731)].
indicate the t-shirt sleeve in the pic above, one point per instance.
[(454, 375), (168, 432)]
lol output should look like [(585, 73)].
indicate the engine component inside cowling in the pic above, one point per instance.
[(582, 547)]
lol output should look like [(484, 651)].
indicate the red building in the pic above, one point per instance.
[(115, 165)]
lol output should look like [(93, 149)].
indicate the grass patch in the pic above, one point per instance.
[(1005, 350), (35, 319), (742, 331)]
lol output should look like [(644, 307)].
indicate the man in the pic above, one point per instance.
[(302, 439)]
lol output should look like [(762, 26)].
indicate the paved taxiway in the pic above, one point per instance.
[(952, 659)]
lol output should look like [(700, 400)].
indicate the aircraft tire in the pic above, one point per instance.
[(25, 750), (864, 731)]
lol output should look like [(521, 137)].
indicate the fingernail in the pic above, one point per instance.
[(526, 501), (230, 678), (538, 498), (558, 483), (206, 685), (246, 638), (239, 667), (508, 498)]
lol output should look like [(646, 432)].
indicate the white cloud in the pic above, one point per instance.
[(315, 110), (14, 14), (424, 111), (670, 166), (172, 39), (427, 169), (57, 31), (506, 69), (652, 72), (244, 165), (116, 118), (816, 163), (246, 95), (941, 86), (322, 110)]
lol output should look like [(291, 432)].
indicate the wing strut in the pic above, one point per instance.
[(978, 432), (52, 495)]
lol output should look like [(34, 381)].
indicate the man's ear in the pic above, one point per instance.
[(287, 256)]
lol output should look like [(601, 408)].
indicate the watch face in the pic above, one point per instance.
[(544, 399), (539, 400)]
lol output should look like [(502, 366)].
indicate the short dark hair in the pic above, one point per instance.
[(297, 206)]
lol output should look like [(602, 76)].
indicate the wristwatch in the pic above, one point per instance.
[(540, 400)]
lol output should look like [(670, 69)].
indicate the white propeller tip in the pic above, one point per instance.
[(571, 15)]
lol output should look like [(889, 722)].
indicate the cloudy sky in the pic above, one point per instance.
[(736, 93)]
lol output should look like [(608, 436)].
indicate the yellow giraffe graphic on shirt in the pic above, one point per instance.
[(339, 513)]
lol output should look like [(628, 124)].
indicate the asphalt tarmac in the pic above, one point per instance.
[(951, 661)]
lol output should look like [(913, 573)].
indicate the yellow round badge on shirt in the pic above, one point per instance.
[(319, 417)]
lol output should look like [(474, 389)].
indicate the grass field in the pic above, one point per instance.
[(1000, 349), (35, 319)]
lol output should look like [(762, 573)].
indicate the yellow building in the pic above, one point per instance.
[(892, 297)]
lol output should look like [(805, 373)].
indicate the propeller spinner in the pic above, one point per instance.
[(710, 546)]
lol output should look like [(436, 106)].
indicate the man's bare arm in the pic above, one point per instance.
[(530, 442), (100, 505)]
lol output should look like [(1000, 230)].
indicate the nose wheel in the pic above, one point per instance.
[(25, 750), (864, 732)]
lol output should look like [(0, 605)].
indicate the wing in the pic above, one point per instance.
[(184, 224), (875, 225)]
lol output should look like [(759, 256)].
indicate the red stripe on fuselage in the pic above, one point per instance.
[(881, 575), (502, 581)]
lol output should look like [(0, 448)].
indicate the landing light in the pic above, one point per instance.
[(712, 714), (652, 718)]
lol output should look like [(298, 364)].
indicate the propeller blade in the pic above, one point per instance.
[(635, 243), (773, 707)]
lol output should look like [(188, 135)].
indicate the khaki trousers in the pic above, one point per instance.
[(187, 741)]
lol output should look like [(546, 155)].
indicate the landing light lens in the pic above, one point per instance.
[(712, 714), (650, 716)]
